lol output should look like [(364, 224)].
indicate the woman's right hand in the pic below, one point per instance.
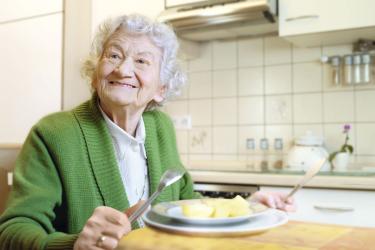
[(103, 230)]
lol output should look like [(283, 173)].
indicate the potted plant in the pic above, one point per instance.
[(340, 159)]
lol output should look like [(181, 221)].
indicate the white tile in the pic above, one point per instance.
[(277, 51), (250, 81), (224, 140), (307, 108), (200, 85), (177, 108), (224, 55), (279, 131), (338, 107), (278, 79), (307, 77), (185, 160), (249, 132), (251, 110), (200, 140), (335, 138), (300, 130), (182, 141), (250, 52), (311, 54), (200, 157), (337, 50), (279, 109), (224, 83), (365, 139), (365, 103), (224, 111), (204, 61), (201, 112)]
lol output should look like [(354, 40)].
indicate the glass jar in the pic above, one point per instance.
[(348, 69), (366, 68), (336, 70), (357, 76)]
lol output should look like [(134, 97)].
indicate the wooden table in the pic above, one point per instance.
[(291, 236)]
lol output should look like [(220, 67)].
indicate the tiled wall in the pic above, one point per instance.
[(265, 87)]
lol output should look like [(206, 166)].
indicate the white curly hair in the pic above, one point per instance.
[(171, 75)]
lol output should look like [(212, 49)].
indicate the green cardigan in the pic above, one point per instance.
[(67, 168)]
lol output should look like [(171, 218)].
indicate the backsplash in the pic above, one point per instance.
[(266, 88)]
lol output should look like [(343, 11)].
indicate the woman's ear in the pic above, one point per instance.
[(160, 95)]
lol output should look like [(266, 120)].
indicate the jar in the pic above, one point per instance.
[(348, 69), (357, 76), (366, 68), (336, 70)]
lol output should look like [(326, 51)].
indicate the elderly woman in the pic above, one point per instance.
[(80, 170)]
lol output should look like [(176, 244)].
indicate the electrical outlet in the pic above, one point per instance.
[(182, 122)]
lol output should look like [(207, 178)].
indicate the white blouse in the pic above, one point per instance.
[(131, 158)]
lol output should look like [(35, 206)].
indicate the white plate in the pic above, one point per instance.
[(270, 219), (173, 210)]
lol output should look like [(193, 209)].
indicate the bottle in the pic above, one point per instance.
[(250, 154), (278, 147), (264, 149), (357, 79), (366, 68), (336, 70), (348, 69)]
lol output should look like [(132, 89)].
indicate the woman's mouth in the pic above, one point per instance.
[(122, 84)]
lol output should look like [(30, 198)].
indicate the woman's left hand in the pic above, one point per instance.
[(275, 200)]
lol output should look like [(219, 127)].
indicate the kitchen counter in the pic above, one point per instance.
[(337, 180), (293, 235)]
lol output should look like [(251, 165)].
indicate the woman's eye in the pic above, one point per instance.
[(114, 56), (141, 61)]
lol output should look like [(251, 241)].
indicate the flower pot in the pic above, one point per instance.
[(341, 161)]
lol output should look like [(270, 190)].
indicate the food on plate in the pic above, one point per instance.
[(217, 208), (197, 210)]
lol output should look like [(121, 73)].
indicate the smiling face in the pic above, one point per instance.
[(128, 72)]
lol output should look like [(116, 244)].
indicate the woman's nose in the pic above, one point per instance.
[(125, 68)]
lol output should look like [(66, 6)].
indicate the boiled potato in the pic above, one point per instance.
[(197, 210), (218, 208)]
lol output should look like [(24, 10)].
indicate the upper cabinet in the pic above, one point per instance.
[(173, 3), (321, 22)]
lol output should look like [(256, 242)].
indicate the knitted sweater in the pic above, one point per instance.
[(67, 167)]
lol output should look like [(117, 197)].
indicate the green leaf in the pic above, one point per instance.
[(347, 148)]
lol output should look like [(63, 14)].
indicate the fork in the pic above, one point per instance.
[(169, 177)]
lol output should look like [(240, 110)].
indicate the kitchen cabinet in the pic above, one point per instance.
[(320, 22), (30, 66), (332, 206)]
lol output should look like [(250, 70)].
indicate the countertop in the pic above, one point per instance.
[(291, 236), (344, 180)]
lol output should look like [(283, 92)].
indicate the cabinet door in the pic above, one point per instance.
[(30, 67), (341, 207), (312, 16)]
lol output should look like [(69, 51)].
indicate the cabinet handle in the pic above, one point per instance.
[(10, 178), (329, 208), (290, 19)]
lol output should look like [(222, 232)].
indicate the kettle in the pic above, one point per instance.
[(307, 150)]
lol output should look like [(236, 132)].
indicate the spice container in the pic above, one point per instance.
[(336, 70), (348, 69), (264, 146), (366, 68), (357, 76)]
